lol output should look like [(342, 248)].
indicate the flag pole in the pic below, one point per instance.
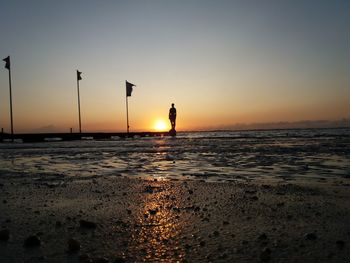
[(8, 66), (11, 114), (79, 105), (127, 112)]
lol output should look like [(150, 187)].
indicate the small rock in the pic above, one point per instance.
[(119, 260), (73, 245), (100, 260), (310, 236), (32, 241), (263, 236), (84, 258), (265, 255), (87, 224), (250, 191), (152, 211), (254, 198), (340, 244), (149, 189), (223, 256), (4, 234), (330, 255)]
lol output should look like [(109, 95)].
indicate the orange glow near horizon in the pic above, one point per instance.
[(243, 68)]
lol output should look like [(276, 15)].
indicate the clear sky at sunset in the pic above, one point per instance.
[(220, 62)]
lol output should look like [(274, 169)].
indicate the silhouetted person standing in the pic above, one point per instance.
[(172, 117)]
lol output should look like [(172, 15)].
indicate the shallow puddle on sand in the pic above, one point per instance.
[(203, 158)]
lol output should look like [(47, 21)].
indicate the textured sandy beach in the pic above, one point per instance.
[(117, 219)]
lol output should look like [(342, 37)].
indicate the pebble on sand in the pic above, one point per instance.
[(263, 236), (87, 224), (119, 260), (310, 236), (216, 233), (340, 244), (32, 241), (100, 260), (73, 245), (4, 234), (265, 255), (84, 258), (153, 211)]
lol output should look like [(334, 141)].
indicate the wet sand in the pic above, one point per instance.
[(118, 219)]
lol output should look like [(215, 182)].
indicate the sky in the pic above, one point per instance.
[(221, 62)]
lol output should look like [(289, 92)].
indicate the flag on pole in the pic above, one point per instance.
[(7, 60), (79, 75), (129, 88)]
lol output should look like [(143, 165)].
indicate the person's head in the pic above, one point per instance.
[(172, 105)]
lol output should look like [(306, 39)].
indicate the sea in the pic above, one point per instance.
[(215, 156)]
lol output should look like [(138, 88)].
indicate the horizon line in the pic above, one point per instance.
[(260, 126)]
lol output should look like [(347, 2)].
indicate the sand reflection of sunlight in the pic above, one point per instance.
[(158, 235)]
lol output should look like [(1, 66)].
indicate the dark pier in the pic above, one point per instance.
[(42, 137)]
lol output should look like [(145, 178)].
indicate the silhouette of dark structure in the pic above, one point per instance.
[(42, 137), (172, 118)]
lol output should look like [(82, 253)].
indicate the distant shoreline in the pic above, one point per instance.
[(266, 129)]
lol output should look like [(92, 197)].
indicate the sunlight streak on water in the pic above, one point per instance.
[(205, 156)]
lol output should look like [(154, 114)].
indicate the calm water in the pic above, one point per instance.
[(212, 156)]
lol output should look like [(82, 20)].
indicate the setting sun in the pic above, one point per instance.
[(160, 125)]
